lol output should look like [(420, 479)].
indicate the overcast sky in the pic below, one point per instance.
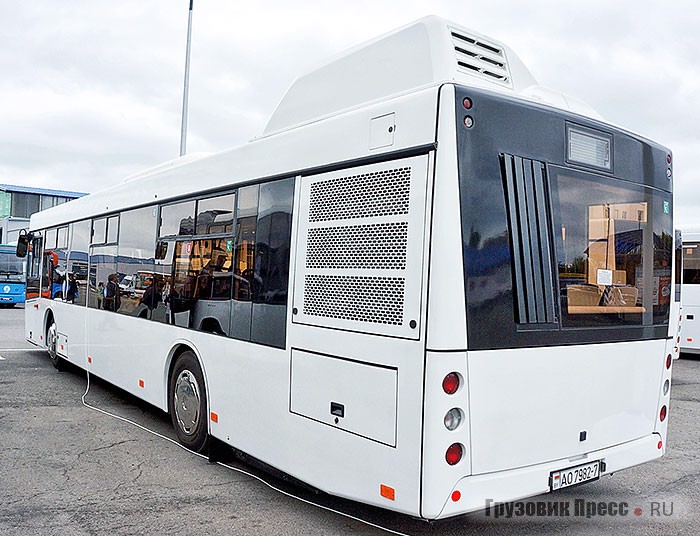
[(91, 90)]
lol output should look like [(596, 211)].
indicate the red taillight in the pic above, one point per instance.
[(456, 495), (450, 383), (467, 103), (454, 453), (660, 445), (668, 158), (662, 414), (668, 361)]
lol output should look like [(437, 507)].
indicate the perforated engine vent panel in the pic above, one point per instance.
[(347, 197), (360, 250), (361, 299), (381, 245)]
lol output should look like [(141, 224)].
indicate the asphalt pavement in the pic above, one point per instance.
[(69, 470)]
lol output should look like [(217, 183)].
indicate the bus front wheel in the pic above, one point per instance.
[(52, 345), (188, 403)]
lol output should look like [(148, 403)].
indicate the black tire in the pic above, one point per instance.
[(187, 400), (52, 345)]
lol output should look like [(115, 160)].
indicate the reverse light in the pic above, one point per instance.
[(468, 121), (667, 386), (662, 414), (454, 453), (453, 419), (450, 383)]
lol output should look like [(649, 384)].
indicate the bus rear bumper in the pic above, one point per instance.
[(478, 492)]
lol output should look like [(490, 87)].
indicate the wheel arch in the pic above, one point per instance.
[(48, 318), (178, 348)]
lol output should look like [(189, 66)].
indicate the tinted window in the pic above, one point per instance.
[(140, 289), (215, 215), (34, 266), (691, 263), (76, 288), (615, 247), (163, 311), (201, 290), (103, 279), (271, 275), (177, 219), (244, 262)]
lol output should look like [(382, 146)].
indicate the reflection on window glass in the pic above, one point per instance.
[(99, 231), (140, 288), (215, 215), (104, 280), (50, 239), (177, 220), (614, 258), (271, 274), (112, 229), (62, 240), (34, 256), (200, 297), (243, 263), (75, 288), (691, 263)]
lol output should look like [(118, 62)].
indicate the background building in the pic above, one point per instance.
[(18, 203)]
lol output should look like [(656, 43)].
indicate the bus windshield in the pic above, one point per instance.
[(11, 267)]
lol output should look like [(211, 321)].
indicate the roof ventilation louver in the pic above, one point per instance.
[(481, 59)]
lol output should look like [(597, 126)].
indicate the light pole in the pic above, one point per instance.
[(183, 129)]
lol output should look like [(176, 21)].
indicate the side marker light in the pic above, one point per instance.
[(387, 492)]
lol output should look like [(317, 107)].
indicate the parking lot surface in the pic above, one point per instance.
[(66, 469)]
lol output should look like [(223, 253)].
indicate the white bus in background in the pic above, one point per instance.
[(690, 295), (432, 283)]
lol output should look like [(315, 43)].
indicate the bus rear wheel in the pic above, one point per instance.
[(188, 402)]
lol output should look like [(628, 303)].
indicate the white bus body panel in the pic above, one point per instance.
[(447, 329), (524, 411), (515, 387), (690, 325)]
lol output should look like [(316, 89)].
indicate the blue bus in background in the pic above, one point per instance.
[(12, 280)]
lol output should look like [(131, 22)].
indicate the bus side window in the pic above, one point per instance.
[(139, 290), (34, 267), (243, 262), (76, 284), (271, 274)]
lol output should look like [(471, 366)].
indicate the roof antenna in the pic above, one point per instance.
[(183, 130)]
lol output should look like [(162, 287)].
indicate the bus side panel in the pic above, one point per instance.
[(690, 325), (70, 324), (132, 353)]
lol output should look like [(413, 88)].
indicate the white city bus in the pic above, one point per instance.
[(430, 283), (690, 324)]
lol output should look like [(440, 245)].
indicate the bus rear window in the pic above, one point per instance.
[(614, 251)]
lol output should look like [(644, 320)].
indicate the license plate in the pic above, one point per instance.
[(574, 475)]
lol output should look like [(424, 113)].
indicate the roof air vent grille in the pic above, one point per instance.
[(480, 58)]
